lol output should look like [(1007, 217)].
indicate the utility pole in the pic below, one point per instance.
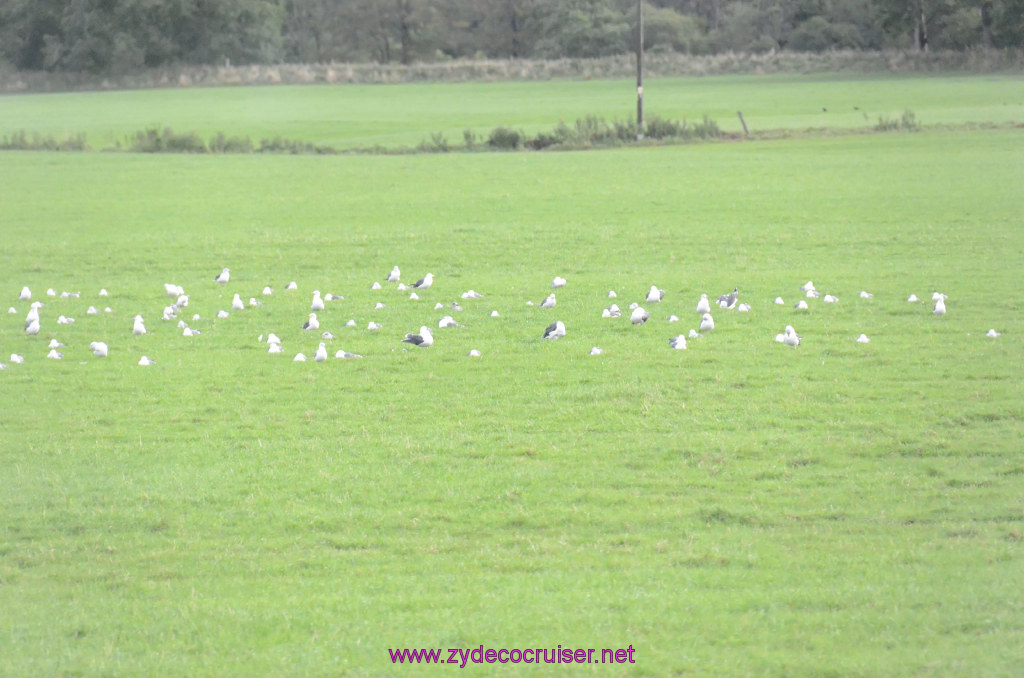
[(640, 70)]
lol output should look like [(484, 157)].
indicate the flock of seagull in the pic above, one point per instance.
[(423, 338)]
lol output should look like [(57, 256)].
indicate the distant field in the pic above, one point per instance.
[(405, 115), (738, 508)]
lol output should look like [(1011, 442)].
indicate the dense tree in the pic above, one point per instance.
[(110, 36)]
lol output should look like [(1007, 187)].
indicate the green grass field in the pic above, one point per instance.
[(404, 115), (737, 508)]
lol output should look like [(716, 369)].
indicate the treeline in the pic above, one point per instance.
[(123, 36)]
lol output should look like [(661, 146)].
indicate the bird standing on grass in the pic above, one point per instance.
[(707, 323), (424, 339), (312, 324), (555, 330), (424, 282), (729, 300), (639, 316), (223, 276), (321, 353)]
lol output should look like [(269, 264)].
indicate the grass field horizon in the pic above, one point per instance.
[(737, 508), (366, 116)]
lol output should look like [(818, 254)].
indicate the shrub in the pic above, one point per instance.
[(223, 144), (470, 139), (282, 145), (154, 140), (659, 128), (505, 139), (906, 123), (19, 141), (437, 144)]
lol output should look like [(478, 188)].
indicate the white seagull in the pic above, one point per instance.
[(447, 321), (222, 314), (237, 304), (729, 300), (474, 353), (913, 299), (424, 339), (25, 295), (866, 295), (639, 316), (612, 311), (791, 338), (292, 286), (555, 330), (54, 354), (321, 353), (424, 282), (32, 329), (549, 301), (318, 303), (99, 349), (703, 306), (863, 339), (654, 295), (991, 333), (829, 299), (558, 282), (275, 348), (779, 301), (346, 355), (223, 276), (707, 323), (146, 361), (138, 328), (395, 275), (801, 305), (940, 306), (678, 343), (15, 358), (312, 323)]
